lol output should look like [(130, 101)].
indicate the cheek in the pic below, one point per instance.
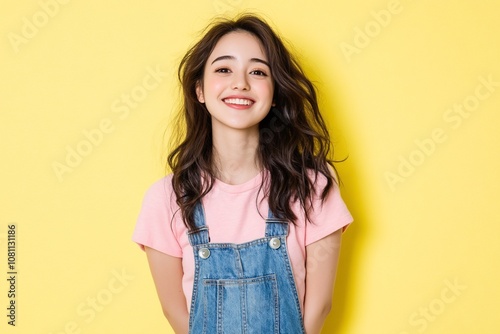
[(266, 89), (214, 85)]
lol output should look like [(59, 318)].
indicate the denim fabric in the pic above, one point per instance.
[(243, 288)]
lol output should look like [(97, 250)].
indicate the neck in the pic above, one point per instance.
[(236, 155)]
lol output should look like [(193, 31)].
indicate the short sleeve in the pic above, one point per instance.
[(327, 216), (155, 227)]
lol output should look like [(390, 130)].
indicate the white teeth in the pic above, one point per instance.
[(244, 102)]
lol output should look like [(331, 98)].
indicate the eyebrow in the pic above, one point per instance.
[(255, 60)]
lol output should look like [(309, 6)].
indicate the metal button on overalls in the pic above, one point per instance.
[(204, 253), (274, 243)]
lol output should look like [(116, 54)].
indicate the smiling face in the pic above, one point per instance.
[(237, 86)]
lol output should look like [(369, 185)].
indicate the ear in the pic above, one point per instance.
[(199, 92)]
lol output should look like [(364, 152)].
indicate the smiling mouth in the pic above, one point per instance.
[(240, 102)]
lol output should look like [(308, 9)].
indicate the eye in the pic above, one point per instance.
[(259, 73), (222, 70)]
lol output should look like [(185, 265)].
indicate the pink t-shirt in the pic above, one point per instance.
[(233, 216)]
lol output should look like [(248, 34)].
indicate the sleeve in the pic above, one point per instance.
[(329, 216), (155, 227)]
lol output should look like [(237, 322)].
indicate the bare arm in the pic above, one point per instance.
[(167, 276), (321, 268)]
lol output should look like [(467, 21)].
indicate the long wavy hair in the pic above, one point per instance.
[(294, 143)]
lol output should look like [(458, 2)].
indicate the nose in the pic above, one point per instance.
[(240, 82)]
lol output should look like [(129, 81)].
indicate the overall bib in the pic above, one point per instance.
[(243, 288)]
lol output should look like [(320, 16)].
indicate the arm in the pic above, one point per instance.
[(167, 276), (321, 268)]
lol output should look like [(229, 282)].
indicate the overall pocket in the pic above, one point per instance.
[(247, 305)]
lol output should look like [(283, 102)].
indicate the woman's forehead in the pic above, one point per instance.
[(238, 45)]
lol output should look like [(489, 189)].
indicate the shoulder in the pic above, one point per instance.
[(328, 214), (160, 196), (320, 180), (161, 188), (157, 226)]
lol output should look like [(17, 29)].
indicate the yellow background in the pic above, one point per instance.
[(425, 207)]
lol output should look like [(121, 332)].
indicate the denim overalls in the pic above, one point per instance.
[(243, 288)]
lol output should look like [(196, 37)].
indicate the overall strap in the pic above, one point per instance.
[(276, 227), (199, 235)]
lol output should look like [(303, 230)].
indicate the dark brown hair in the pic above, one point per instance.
[(294, 144)]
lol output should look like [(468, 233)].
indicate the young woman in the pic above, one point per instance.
[(244, 235)]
